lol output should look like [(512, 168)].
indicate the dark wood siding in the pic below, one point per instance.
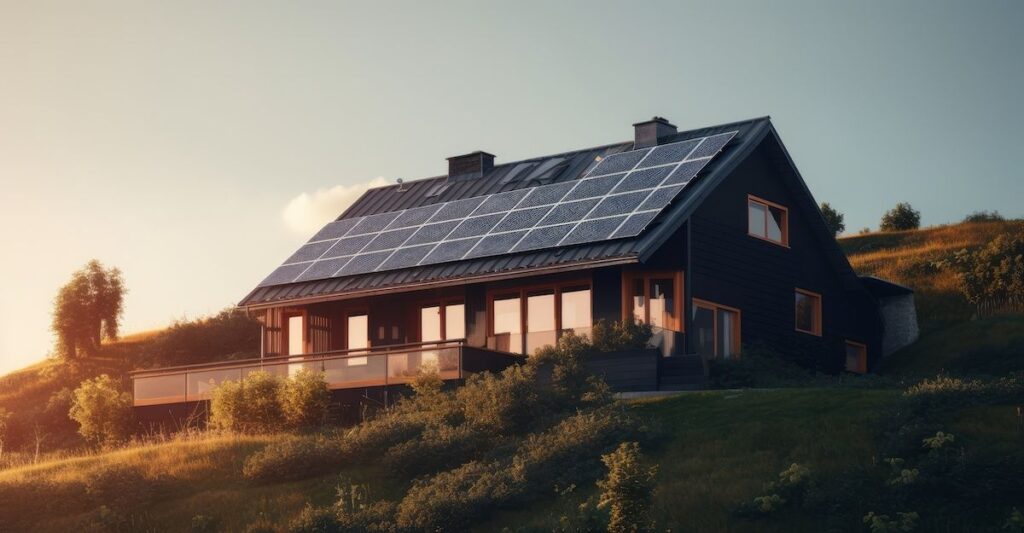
[(758, 277)]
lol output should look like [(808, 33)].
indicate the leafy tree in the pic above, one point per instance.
[(833, 219), (5, 416), (627, 490), (900, 218), (984, 216), (87, 310), (103, 411)]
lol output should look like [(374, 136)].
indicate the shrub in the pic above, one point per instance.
[(614, 336), (120, 487), (293, 458), (437, 448), (833, 219), (627, 490), (984, 216), (230, 334), (992, 278), (900, 218), (758, 366), (506, 402), (315, 520), (102, 410), (305, 399), (252, 405), (883, 524)]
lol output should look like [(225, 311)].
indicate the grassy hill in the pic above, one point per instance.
[(717, 451)]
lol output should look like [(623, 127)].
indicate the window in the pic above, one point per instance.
[(856, 357), (357, 332), (430, 323), (455, 321), (654, 298), (716, 330), (296, 335), (767, 221), (808, 312), (441, 321), (522, 320)]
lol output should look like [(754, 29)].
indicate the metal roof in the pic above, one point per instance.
[(519, 175)]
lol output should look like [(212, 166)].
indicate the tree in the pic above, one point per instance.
[(103, 411), (833, 219), (627, 490), (5, 416), (900, 218), (87, 310)]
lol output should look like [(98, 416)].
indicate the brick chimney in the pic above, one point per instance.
[(651, 132), (469, 166)]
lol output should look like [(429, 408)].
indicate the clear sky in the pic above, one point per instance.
[(195, 144)]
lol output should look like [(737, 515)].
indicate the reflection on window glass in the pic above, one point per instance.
[(295, 344), (639, 301), (540, 312), (756, 218), (506, 315), (807, 312), (728, 322), (775, 223), (704, 330), (662, 303), (455, 321), (856, 358), (430, 323), (358, 332), (576, 309)]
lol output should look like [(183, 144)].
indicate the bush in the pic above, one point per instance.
[(900, 218), (758, 366), (315, 520), (252, 405), (293, 458), (305, 399), (615, 336), (984, 216), (120, 487), (230, 334), (627, 490), (992, 278), (438, 448), (102, 410)]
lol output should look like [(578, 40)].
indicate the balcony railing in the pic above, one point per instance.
[(668, 342), (386, 365)]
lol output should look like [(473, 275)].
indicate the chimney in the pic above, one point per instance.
[(469, 166), (651, 132)]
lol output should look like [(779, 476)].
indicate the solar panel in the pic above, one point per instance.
[(619, 197), (642, 179), (635, 224)]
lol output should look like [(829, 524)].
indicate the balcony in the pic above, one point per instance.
[(376, 367)]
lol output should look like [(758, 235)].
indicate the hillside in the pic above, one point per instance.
[(951, 338)]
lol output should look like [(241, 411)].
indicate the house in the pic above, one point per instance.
[(710, 235)]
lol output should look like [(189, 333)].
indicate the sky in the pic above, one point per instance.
[(194, 145)]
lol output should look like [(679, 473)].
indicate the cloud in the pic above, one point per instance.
[(307, 213)]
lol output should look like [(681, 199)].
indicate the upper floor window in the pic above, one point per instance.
[(768, 221), (296, 334), (654, 298), (808, 312)]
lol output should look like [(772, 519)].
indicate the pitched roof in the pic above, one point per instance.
[(525, 174)]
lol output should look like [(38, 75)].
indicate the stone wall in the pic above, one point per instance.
[(900, 318)]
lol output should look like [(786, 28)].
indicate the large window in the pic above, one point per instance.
[(357, 332), (808, 312), (716, 329), (296, 335), (654, 298), (856, 357), (768, 221), (441, 321), (524, 319)]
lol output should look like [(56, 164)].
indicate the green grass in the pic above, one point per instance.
[(990, 346)]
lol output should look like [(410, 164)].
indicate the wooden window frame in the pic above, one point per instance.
[(737, 336), (628, 277), (355, 311), (862, 365), (785, 220), (819, 324), (523, 291), (442, 303)]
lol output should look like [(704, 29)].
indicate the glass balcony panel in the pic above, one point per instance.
[(159, 389), (346, 372), (202, 383)]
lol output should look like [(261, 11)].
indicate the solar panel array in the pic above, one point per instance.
[(618, 198)]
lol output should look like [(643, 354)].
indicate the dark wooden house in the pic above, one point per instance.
[(711, 236)]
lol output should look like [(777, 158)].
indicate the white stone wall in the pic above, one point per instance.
[(900, 317)]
